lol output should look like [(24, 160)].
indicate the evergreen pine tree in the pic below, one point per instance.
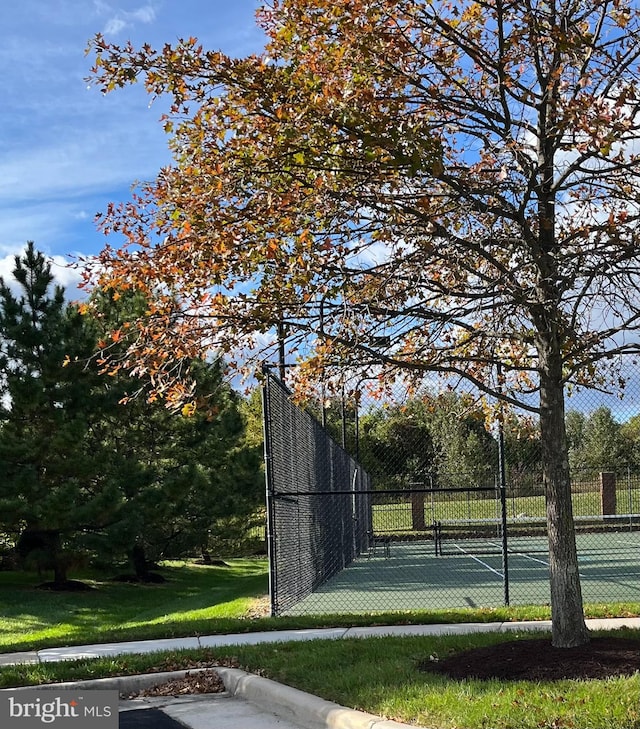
[(48, 491)]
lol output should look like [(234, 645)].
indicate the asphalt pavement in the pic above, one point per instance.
[(202, 711), (249, 701), (146, 718)]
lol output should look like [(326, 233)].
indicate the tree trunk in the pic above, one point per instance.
[(139, 561), (58, 559), (569, 628), (60, 570)]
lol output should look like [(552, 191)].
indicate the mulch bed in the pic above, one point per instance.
[(537, 660)]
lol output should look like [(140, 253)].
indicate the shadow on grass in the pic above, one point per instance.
[(192, 596)]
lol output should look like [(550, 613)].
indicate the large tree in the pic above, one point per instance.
[(417, 186), (50, 491), (177, 477), (596, 441)]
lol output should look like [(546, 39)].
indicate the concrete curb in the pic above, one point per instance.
[(25, 657), (284, 701), (299, 706)]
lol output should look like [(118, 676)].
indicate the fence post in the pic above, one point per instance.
[(502, 493), (269, 489), (608, 493), (417, 512)]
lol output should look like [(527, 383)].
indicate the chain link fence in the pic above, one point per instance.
[(318, 501), (436, 526)]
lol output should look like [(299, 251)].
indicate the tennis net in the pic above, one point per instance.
[(529, 535)]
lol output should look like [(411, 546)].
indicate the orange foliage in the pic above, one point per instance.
[(398, 186)]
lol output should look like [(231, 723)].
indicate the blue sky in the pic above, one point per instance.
[(67, 150)]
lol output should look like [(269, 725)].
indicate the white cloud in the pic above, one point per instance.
[(146, 14), (114, 26), (7, 264), (64, 275), (124, 19)]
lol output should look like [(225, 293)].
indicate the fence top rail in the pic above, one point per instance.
[(443, 489), (385, 492), (338, 492), (577, 517), (466, 522), (593, 518)]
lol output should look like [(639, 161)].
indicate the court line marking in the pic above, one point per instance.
[(494, 544), (535, 559), (525, 555), (479, 561), (517, 554)]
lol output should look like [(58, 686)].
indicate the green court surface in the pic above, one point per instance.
[(412, 577)]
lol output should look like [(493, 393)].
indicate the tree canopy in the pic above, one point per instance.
[(405, 179), (418, 187)]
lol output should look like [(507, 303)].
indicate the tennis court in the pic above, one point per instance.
[(469, 572), (338, 543)]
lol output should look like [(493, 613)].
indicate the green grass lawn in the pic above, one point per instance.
[(377, 675), (193, 598)]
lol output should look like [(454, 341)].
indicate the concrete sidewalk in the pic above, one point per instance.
[(252, 702), (47, 655)]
